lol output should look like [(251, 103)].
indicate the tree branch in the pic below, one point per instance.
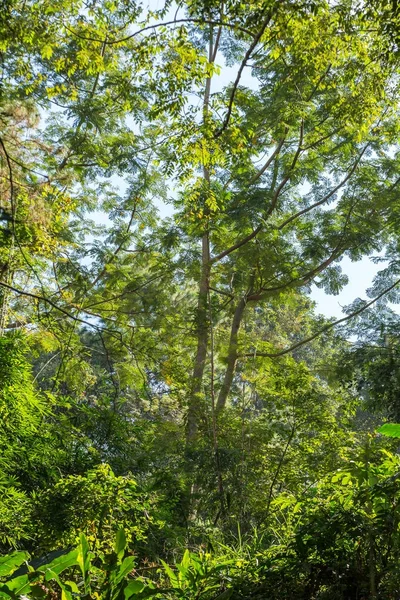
[(324, 329), (327, 196), (287, 176), (247, 56), (55, 306), (306, 278), (257, 230), (239, 244), (156, 25), (269, 161)]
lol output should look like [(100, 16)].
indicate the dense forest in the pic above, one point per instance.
[(178, 420)]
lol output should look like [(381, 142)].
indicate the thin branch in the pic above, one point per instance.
[(46, 364), (97, 78), (269, 161), (257, 230), (11, 179), (320, 80), (124, 239), (125, 293), (299, 281), (53, 305), (324, 329), (218, 38), (156, 25), (239, 244), (287, 176), (278, 469), (213, 415), (246, 58), (221, 292), (323, 138), (327, 196)]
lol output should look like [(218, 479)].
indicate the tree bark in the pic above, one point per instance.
[(194, 407), (232, 355)]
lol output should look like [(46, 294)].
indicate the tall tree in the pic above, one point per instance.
[(301, 168)]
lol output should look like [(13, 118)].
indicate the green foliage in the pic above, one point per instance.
[(87, 573), (198, 576), (75, 573), (324, 543), (22, 411), (174, 393), (390, 429), (21, 406), (16, 516), (97, 504)]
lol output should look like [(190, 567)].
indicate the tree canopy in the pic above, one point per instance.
[(174, 180)]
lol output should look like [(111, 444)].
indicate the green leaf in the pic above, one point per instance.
[(67, 587), (47, 51), (19, 585), (126, 567), (60, 564), (172, 576), (120, 543), (11, 562), (133, 588), (185, 562), (83, 560), (390, 430), (73, 586)]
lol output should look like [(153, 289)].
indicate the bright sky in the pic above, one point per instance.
[(360, 274)]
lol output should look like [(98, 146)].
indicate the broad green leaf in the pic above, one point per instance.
[(185, 562), (19, 586), (83, 560), (126, 567), (390, 430), (11, 562), (67, 587), (133, 588), (60, 564), (120, 543)]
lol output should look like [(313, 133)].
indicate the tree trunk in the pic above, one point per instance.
[(194, 409), (232, 355)]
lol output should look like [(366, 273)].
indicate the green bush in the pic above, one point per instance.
[(96, 504), (16, 522), (82, 573)]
